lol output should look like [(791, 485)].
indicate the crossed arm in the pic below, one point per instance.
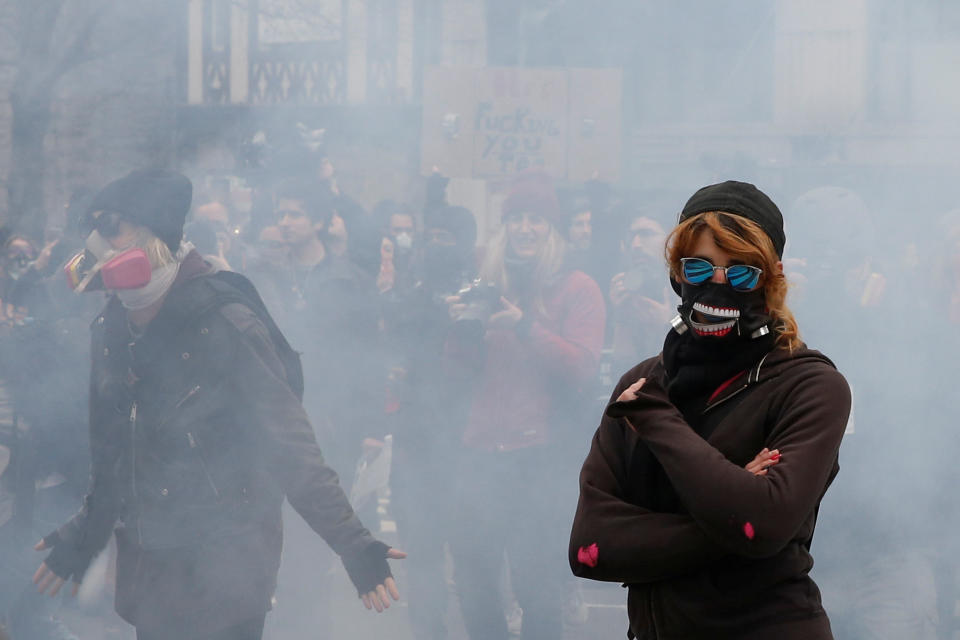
[(636, 544), (732, 510)]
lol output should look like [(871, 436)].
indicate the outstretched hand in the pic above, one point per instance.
[(46, 580), (377, 599)]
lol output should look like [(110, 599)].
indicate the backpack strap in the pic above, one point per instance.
[(204, 294), (238, 283)]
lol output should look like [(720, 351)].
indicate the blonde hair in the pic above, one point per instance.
[(157, 250), (746, 242), (549, 262)]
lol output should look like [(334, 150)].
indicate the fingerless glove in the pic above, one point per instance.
[(368, 568), (66, 560)]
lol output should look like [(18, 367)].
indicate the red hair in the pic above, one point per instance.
[(746, 242)]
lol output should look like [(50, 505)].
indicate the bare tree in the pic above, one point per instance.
[(55, 38)]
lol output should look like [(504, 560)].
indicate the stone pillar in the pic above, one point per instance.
[(405, 35), (195, 52), (356, 34), (239, 53)]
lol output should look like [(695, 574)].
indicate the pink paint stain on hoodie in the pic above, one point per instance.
[(588, 555)]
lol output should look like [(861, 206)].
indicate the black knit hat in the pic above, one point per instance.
[(741, 199), (157, 199), (457, 220)]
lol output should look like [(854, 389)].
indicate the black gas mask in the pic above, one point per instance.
[(714, 311)]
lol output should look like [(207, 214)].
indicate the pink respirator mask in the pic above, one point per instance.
[(114, 270)]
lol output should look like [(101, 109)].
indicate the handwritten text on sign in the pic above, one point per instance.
[(516, 140), (492, 123), (519, 122)]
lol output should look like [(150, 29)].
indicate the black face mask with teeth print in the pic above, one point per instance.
[(729, 314), (697, 361)]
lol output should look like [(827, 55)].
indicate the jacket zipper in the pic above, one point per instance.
[(180, 403), (203, 463), (195, 445), (724, 399), (753, 375), (189, 395), (133, 467)]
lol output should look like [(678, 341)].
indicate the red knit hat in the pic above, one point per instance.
[(532, 191)]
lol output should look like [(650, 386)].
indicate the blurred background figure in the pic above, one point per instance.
[(44, 343), (214, 218), (542, 327), (640, 304), (844, 304), (397, 223), (271, 268), (427, 404), (203, 235), (329, 312), (578, 232)]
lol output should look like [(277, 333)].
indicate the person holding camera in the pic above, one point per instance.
[(640, 302), (542, 342)]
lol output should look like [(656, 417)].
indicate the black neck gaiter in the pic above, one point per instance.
[(696, 368), (697, 365)]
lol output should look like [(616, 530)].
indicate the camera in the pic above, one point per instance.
[(482, 299)]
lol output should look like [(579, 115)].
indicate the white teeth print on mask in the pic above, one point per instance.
[(718, 329), (717, 312)]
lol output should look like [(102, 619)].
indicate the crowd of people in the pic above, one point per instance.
[(489, 369)]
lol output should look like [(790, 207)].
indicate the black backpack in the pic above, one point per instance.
[(239, 289), (203, 294)]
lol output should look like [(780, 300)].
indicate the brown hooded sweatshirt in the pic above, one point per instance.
[(708, 549)]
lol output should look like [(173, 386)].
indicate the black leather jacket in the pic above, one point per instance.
[(196, 438)]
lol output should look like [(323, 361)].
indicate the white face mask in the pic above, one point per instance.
[(404, 241)]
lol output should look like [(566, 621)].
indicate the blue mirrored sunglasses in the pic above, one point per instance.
[(741, 277)]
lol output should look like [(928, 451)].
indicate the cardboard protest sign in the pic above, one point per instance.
[(519, 122), (493, 123)]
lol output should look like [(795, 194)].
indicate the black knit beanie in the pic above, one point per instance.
[(457, 220), (741, 199), (157, 199)]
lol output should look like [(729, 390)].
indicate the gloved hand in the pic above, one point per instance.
[(65, 561), (370, 574)]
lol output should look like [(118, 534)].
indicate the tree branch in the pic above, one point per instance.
[(73, 54)]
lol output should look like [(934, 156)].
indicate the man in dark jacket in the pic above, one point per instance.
[(331, 315), (197, 434)]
